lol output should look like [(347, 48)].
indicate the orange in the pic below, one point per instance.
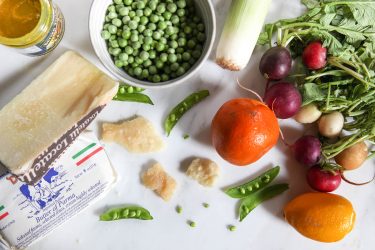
[(321, 216), (243, 130)]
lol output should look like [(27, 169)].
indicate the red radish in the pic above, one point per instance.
[(323, 181), (284, 99), (307, 150), (315, 56), (276, 63)]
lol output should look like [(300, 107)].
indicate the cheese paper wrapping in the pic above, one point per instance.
[(46, 117), (81, 176)]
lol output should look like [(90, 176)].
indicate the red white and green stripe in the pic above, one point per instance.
[(86, 153), (3, 213)]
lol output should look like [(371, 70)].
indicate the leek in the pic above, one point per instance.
[(240, 34)]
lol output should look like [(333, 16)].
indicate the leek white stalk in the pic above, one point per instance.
[(241, 31)]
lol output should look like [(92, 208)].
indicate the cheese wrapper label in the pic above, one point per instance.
[(81, 176)]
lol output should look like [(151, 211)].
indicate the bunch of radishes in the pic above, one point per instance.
[(285, 100)]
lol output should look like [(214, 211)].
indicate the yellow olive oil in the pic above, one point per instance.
[(33, 27)]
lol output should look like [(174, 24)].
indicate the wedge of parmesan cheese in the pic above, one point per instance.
[(137, 135), (205, 171), (156, 179), (44, 119)]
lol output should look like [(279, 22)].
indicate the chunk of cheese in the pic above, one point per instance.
[(137, 135), (51, 105), (156, 179), (205, 171)]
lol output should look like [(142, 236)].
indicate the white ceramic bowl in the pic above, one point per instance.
[(96, 21)]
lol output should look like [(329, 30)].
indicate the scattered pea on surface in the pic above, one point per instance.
[(206, 205), (179, 209), (232, 228), (186, 136), (168, 35), (192, 224)]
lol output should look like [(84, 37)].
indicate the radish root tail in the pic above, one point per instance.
[(250, 90)]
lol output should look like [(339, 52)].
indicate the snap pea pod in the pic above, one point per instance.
[(133, 97), (254, 185), (249, 203), (133, 212), (178, 111)]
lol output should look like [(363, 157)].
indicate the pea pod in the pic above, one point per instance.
[(133, 212), (133, 97), (252, 201), (178, 111), (254, 185)]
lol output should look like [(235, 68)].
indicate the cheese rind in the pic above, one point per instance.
[(52, 104)]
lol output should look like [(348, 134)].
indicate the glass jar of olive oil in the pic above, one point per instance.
[(33, 27)]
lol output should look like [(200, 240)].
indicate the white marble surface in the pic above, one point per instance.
[(263, 229)]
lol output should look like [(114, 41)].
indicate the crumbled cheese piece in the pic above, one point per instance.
[(137, 135), (156, 179), (205, 171)]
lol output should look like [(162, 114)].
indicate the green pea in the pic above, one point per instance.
[(117, 1), (256, 185), (164, 77), (148, 40), (138, 60), (111, 8), (169, 30), (162, 25), (146, 47), (189, 102), (191, 44), (129, 50), (116, 51), (128, 2), (175, 20), (134, 38), (192, 224), (186, 66), (163, 57), (105, 34), (154, 18), (174, 66), (171, 7), (151, 26), (130, 71), (112, 15), (160, 8), (156, 78), (130, 59), (152, 69), (144, 55), (200, 27), (119, 63), (232, 228), (136, 19), (124, 11), (156, 35), (136, 45), (196, 54), (123, 57), (179, 209), (147, 12), (163, 40), (167, 15), (141, 5), (254, 199), (112, 29), (132, 25), (132, 13), (172, 58), (159, 64), (173, 44), (145, 73), (152, 54), (119, 32), (236, 192), (122, 91), (153, 4), (181, 13), (160, 47), (147, 63), (137, 71), (180, 50), (181, 4)]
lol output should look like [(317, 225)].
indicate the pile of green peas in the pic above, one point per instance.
[(154, 40)]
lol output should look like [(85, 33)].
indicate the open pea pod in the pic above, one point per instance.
[(133, 212), (254, 185), (252, 201)]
